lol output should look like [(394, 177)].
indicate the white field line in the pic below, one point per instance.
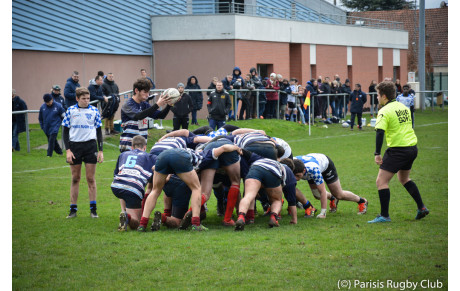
[(45, 169), (358, 133), (324, 137)]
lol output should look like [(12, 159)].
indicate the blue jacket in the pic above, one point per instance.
[(237, 76), (311, 89), (358, 99), (59, 99), (151, 81), (50, 117), (95, 92), (69, 92)]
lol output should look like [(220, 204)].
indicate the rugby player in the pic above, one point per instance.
[(319, 172), (81, 128)]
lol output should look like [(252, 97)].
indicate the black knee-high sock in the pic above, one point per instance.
[(412, 188), (384, 195)]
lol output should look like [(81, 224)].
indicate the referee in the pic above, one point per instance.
[(81, 128), (394, 121)]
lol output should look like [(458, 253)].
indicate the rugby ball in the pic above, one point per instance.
[(345, 124), (173, 95)]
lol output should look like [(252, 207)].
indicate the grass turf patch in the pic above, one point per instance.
[(51, 252)]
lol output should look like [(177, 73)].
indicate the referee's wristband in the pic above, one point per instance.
[(376, 154)]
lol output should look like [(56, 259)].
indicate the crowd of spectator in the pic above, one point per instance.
[(266, 98)]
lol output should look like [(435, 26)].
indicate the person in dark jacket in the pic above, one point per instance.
[(110, 89), (197, 97), (57, 97), (212, 86), (358, 99), (311, 87), (182, 109), (19, 120), (326, 89), (285, 89), (219, 105), (257, 81), (334, 99), (50, 118), (95, 90), (347, 90), (373, 97), (69, 89)]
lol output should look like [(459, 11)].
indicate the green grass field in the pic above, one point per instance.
[(52, 252)]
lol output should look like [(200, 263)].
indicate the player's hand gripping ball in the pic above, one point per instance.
[(173, 95)]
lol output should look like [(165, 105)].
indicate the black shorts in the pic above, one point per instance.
[(291, 105), (85, 151), (132, 200), (329, 175), (399, 158), (173, 161)]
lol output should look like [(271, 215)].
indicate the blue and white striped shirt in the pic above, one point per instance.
[(82, 122), (273, 166)]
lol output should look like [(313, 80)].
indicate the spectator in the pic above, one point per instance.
[(398, 87), (197, 97), (219, 105), (285, 89), (373, 95), (262, 99), (19, 120), (110, 89), (318, 100), (347, 90), (144, 75), (69, 89), (182, 109), (312, 87), (272, 97), (93, 81), (57, 97), (358, 99), (212, 86), (407, 99), (291, 109), (335, 89), (257, 84), (325, 89), (245, 110), (50, 118), (411, 91), (95, 90)]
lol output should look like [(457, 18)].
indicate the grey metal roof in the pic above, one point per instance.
[(109, 27)]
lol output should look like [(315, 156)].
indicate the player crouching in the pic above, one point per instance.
[(133, 170)]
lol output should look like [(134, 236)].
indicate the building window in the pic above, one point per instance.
[(396, 73), (380, 74), (264, 70)]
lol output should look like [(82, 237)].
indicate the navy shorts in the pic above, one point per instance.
[(329, 175), (180, 193), (173, 161), (265, 150), (85, 151), (132, 200), (399, 158), (267, 178), (225, 159)]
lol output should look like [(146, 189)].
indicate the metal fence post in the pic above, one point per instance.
[(257, 103), (27, 132), (278, 106), (328, 106), (312, 103)]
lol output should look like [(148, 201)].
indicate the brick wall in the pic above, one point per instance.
[(331, 60)]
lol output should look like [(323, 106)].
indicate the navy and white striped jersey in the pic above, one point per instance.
[(290, 186), (247, 159), (243, 140), (180, 142), (133, 171), (82, 122), (315, 164), (273, 166)]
